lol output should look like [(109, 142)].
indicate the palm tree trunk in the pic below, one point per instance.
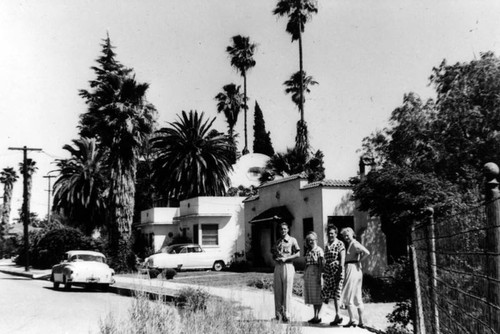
[(301, 105), (7, 199), (245, 149)]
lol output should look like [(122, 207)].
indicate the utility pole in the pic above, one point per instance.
[(48, 200), (26, 205)]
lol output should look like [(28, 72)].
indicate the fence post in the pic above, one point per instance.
[(418, 326), (431, 243), (492, 195)]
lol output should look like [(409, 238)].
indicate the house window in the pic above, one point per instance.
[(341, 221), (210, 234), (307, 226)]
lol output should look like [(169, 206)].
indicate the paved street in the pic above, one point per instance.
[(32, 306)]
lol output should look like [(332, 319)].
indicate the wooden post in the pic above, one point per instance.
[(418, 321), (492, 195), (431, 243)]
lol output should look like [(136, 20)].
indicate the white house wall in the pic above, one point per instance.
[(226, 212)]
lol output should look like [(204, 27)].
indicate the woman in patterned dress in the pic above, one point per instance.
[(312, 275), (334, 271), (352, 296)]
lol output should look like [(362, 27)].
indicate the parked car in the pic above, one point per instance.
[(186, 256), (82, 268)]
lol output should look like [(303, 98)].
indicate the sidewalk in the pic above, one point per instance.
[(259, 302)]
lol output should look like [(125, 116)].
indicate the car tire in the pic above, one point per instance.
[(218, 266), (67, 285), (56, 285)]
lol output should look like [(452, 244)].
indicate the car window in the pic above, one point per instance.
[(183, 250), (87, 257), (197, 249)]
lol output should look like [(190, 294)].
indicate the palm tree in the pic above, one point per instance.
[(191, 159), (30, 170), (241, 52), (296, 86), (298, 13), (230, 102), (8, 177), (81, 185)]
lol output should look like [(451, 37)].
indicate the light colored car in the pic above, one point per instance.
[(83, 268), (186, 256)]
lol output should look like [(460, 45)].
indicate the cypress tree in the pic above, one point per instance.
[(262, 139)]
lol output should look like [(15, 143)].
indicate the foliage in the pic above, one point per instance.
[(401, 318), (81, 187), (262, 283), (122, 121), (394, 286), (168, 273), (220, 317), (242, 191), (293, 85), (192, 300), (241, 53), (230, 102), (191, 160), (31, 168), (298, 13), (293, 162), (8, 177), (432, 153), (47, 246), (262, 138)]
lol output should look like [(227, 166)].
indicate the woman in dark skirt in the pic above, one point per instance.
[(334, 271), (312, 275)]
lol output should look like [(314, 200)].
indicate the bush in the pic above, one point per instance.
[(401, 318), (261, 283), (168, 273), (192, 300), (396, 285), (240, 267)]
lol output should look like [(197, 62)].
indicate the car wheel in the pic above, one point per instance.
[(218, 265), (67, 285), (56, 285)]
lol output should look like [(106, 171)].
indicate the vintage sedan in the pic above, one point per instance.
[(82, 268), (186, 256)]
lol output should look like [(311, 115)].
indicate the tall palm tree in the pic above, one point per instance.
[(298, 13), (81, 185), (296, 86), (241, 52), (191, 159), (30, 170), (8, 177), (230, 101)]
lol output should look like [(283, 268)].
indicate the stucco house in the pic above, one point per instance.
[(308, 207)]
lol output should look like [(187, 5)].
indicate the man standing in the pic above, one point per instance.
[(285, 250)]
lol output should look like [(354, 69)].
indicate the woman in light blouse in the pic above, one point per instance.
[(352, 296)]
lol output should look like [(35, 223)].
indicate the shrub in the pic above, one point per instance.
[(396, 285), (153, 273), (192, 300), (168, 273), (240, 267), (401, 318), (262, 283)]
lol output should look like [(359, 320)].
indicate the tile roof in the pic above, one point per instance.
[(329, 183), (285, 179)]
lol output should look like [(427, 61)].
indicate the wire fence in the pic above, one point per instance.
[(456, 264)]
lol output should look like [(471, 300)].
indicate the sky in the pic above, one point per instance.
[(365, 54)]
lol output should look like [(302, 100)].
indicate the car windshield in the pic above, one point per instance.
[(87, 257)]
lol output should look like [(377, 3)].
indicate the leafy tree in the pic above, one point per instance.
[(433, 152), (299, 12), (122, 120), (191, 160), (81, 186), (262, 138), (241, 53), (8, 177)]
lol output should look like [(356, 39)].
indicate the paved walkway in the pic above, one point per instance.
[(259, 302)]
